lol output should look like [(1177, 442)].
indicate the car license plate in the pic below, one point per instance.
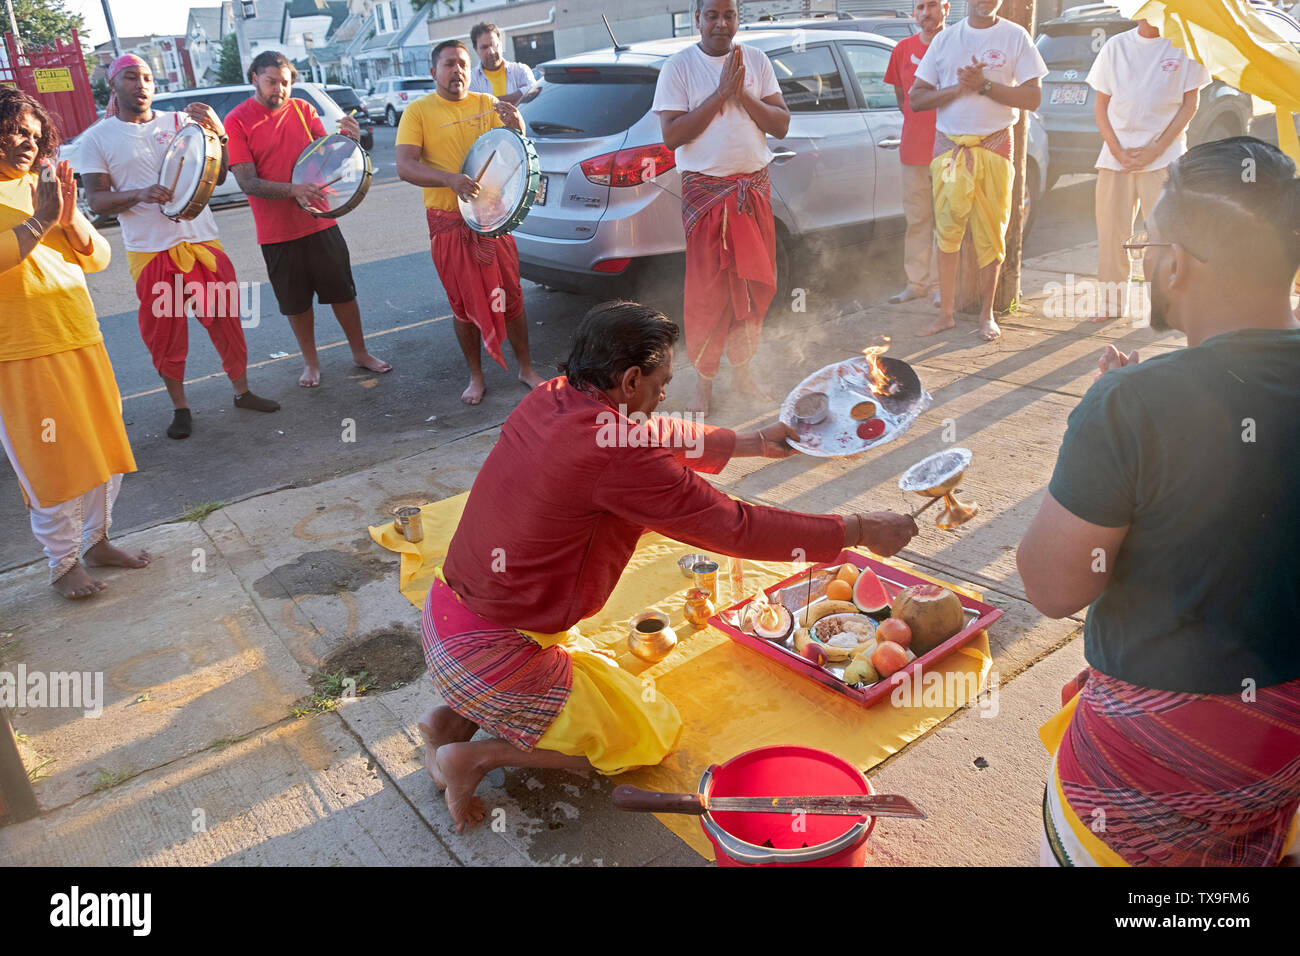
[(1070, 94), (541, 192)]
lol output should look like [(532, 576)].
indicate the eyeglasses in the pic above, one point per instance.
[(1138, 242)]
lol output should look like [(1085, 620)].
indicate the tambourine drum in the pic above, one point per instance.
[(341, 168), (508, 172), (190, 169)]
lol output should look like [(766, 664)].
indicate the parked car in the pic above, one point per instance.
[(390, 95), (836, 175), (348, 101), (897, 28), (1070, 43)]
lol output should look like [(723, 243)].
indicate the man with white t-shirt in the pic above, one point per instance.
[(717, 104), (978, 75), (178, 267), (1147, 93)]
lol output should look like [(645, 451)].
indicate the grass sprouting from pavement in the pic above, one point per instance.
[(199, 512), (108, 779), (328, 690)]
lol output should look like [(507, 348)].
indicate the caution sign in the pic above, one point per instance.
[(57, 80)]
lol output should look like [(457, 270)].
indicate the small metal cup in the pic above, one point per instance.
[(706, 577), (649, 636), (410, 522)]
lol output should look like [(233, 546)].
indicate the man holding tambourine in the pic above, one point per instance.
[(480, 273), (121, 157), (306, 255)]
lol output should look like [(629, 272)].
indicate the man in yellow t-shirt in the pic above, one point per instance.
[(480, 274), (504, 79)]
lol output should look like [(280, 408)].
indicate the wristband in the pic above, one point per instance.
[(34, 227)]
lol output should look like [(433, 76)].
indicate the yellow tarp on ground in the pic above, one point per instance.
[(1238, 46), (731, 699)]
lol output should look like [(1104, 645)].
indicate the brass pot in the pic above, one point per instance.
[(649, 636)]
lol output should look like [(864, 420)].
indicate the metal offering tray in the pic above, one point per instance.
[(847, 386)]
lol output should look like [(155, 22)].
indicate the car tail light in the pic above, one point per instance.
[(611, 265), (628, 167)]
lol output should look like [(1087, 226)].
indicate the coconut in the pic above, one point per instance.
[(933, 613)]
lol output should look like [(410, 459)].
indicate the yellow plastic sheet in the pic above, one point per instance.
[(731, 699), (1237, 45)]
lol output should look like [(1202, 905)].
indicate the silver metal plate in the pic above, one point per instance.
[(845, 386)]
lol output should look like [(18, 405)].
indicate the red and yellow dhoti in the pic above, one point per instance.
[(480, 275), (197, 277), (730, 266)]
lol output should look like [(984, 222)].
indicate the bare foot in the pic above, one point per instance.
[(105, 555), (371, 364), (310, 376), (989, 330), (455, 764), (941, 324), (703, 395), (77, 584), (530, 378), (474, 393), (439, 727)]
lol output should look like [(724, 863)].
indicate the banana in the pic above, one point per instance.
[(833, 654), (818, 610), (861, 671)]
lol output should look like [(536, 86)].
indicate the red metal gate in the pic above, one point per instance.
[(57, 77)]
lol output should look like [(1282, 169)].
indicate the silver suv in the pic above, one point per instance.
[(390, 96), (599, 226)]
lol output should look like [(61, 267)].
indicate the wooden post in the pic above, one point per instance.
[(17, 799), (1008, 290)]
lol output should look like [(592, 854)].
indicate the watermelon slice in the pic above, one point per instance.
[(869, 595)]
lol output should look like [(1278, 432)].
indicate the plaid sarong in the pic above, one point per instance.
[(1169, 779), (701, 192), (999, 142), (495, 676)]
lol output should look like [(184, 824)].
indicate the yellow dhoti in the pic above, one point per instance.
[(972, 183)]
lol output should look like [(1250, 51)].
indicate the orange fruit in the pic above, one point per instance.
[(839, 590), (847, 573)]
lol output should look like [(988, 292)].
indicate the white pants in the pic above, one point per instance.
[(66, 529)]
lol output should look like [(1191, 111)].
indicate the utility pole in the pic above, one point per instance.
[(112, 30), (1008, 290), (13, 26)]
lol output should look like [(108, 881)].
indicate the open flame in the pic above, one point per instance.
[(877, 380)]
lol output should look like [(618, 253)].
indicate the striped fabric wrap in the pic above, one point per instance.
[(701, 192), (443, 220), (999, 143), (495, 676), (1184, 779)]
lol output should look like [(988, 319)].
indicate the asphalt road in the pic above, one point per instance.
[(233, 453)]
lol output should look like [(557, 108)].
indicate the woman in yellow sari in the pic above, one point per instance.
[(60, 411)]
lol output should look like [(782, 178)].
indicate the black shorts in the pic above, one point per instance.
[(316, 265)]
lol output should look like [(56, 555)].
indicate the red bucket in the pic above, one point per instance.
[(781, 839)]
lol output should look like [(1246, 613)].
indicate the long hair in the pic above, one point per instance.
[(14, 105), (614, 336)]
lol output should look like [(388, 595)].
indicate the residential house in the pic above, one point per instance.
[(204, 30)]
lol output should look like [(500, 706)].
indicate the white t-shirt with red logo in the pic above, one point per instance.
[(732, 142), (131, 155), (1145, 78), (1009, 58)]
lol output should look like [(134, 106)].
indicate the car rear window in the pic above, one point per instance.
[(1075, 50), (416, 84), (580, 101), (345, 98)]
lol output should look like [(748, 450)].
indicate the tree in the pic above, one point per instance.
[(101, 91), (230, 71), (41, 22)]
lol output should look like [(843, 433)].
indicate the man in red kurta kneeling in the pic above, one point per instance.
[(578, 475)]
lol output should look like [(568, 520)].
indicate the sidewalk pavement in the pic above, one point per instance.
[(197, 757)]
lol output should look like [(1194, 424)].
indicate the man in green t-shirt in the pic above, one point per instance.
[(1170, 513)]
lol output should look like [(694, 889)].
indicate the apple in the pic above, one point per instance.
[(896, 630)]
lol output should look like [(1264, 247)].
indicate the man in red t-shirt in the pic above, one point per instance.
[(306, 257), (920, 262)]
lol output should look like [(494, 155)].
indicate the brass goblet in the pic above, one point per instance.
[(937, 478)]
